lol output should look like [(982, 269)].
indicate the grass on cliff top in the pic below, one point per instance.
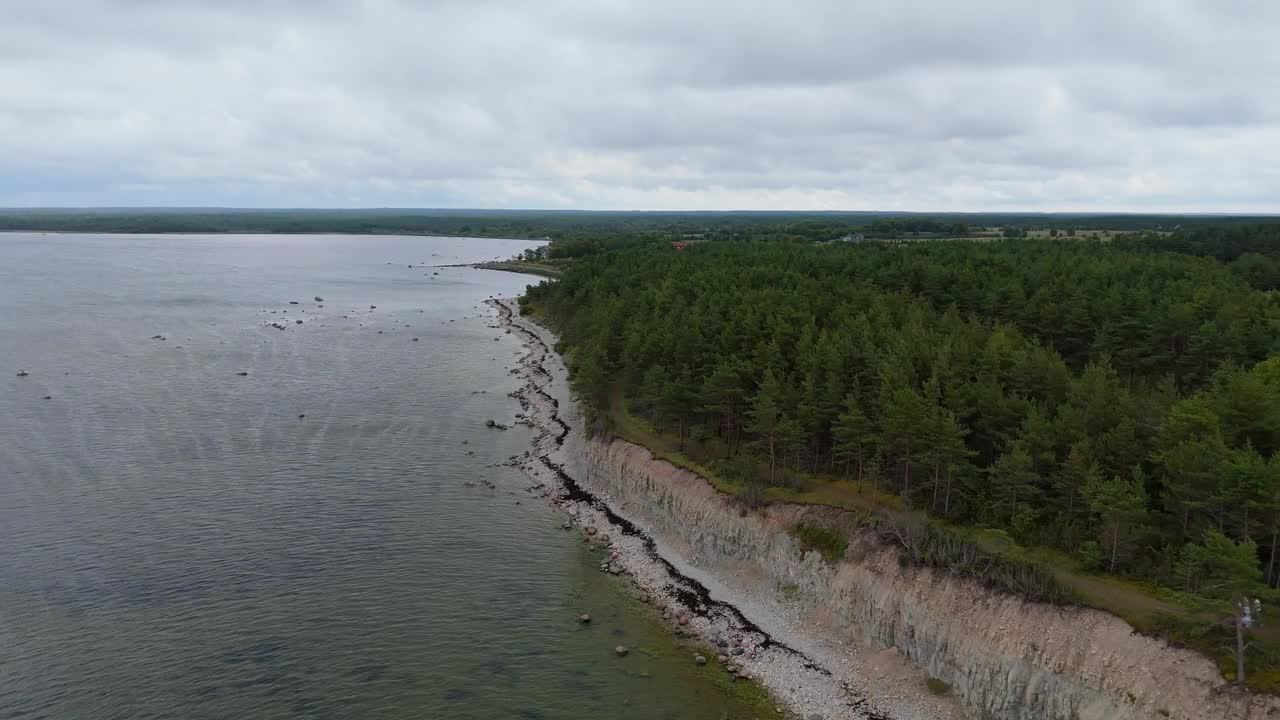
[(1154, 611)]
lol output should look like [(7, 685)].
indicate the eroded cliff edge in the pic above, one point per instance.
[(866, 617), (1003, 657)]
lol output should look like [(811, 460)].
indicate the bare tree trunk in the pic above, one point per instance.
[(771, 458), (1013, 511), (906, 487), (1240, 646), (1115, 545), (1271, 561)]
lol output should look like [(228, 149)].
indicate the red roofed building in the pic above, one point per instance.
[(679, 244)]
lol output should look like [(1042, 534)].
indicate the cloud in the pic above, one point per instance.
[(814, 104)]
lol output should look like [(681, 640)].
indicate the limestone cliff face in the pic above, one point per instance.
[(1004, 657)]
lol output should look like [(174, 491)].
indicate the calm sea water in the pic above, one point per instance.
[(315, 539)]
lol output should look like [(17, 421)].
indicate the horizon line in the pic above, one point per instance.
[(455, 210)]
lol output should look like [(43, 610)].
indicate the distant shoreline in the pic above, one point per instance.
[(263, 232)]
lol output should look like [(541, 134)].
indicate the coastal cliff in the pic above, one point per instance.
[(1003, 657), (857, 637)]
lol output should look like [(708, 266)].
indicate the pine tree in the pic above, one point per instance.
[(1013, 481), (1039, 436), (947, 453), (1218, 568), (679, 400), (591, 385), (1121, 506), (1249, 408), (1246, 489), (765, 414), (1072, 480), (854, 437), (791, 438), (901, 430), (723, 393), (1190, 454), (649, 394)]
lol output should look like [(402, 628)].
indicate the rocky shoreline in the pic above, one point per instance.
[(762, 648)]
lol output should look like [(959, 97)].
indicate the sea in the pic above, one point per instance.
[(250, 476)]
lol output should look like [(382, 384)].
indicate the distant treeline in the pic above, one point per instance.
[(1253, 250), (583, 232), (273, 221)]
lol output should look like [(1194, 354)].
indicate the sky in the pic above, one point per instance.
[(982, 105)]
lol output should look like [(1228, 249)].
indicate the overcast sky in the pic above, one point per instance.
[(1108, 105)]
